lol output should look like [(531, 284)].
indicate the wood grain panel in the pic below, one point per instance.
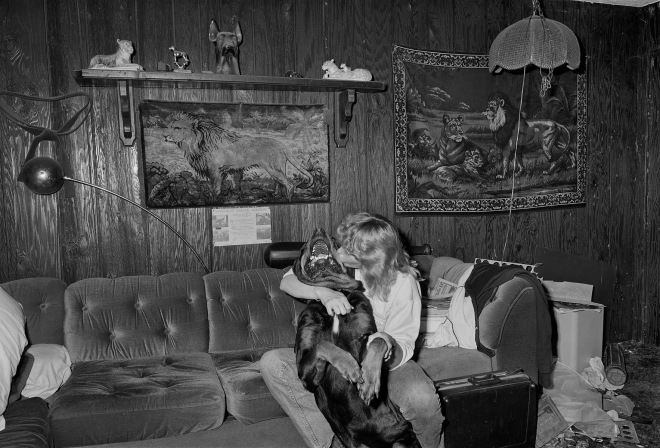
[(12, 138), (33, 248), (624, 213), (472, 36), (601, 91), (347, 193), (377, 108), (410, 23), (647, 249), (441, 26)]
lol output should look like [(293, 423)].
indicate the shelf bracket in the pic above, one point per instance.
[(126, 112), (344, 102)]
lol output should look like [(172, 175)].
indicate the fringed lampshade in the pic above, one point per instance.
[(535, 40)]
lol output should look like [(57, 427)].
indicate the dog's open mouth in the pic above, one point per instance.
[(321, 260), (319, 264)]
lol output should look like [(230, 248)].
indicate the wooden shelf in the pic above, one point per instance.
[(126, 80), (97, 77)]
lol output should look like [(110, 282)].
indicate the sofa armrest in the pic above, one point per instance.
[(508, 326)]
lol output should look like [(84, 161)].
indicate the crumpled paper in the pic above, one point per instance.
[(620, 404), (596, 376)]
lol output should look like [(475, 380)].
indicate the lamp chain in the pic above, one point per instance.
[(546, 81)]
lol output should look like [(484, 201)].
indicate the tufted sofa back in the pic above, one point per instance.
[(247, 310), (135, 316), (43, 305), (138, 316)]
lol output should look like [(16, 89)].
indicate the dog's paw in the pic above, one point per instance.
[(369, 388), (348, 368)]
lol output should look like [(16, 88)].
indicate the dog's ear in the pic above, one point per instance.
[(237, 32), (213, 31)]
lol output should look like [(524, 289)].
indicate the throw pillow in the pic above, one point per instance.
[(52, 367), (12, 343)]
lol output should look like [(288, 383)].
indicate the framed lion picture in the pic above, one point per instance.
[(458, 145), (224, 154)]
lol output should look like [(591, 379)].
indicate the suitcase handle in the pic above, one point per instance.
[(484, 380)]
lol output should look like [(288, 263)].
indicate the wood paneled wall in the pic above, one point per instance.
[(81, 232)]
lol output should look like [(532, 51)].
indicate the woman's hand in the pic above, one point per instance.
[(335, 302), (389, 340)]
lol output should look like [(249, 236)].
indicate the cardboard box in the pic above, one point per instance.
[(579, 332), (579, 323)]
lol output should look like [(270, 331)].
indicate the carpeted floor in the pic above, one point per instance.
[(643, 388)]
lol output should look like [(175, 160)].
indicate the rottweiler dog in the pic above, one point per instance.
[(334, 361)]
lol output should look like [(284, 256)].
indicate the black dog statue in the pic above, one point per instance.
[(333, 359), (226, 48)]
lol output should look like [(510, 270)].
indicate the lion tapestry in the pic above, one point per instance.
[(212, 154), (458, 145)]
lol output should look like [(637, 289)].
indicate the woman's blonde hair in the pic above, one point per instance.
[(376, 244)]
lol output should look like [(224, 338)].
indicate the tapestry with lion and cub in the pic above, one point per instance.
[(470, 141), (207, 154)]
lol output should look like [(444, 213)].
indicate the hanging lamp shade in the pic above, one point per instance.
[(535, 40)]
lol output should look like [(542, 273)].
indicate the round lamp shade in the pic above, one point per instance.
[(535, 40), (42, 175)]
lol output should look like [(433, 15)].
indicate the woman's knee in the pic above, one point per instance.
[(273, 361), (420, 400)]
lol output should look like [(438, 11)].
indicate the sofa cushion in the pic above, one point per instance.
[(248, 310), (27, 425), (135, 316), (144, 398), (441, 363), (248, 397)]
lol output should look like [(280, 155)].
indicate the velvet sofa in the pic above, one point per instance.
[(172, 361)]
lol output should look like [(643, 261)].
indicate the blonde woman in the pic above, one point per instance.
[(371, 245)]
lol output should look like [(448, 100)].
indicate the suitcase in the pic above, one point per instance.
[(492, 410)]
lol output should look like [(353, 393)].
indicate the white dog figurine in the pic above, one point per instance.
[(119, 60), (344, 72)]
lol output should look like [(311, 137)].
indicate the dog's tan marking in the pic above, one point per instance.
[(335, 325)]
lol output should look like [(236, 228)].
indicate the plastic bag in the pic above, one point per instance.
[(580, 403)]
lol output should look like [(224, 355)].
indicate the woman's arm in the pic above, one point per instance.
[(335, 302), (401, 328), (394, 354)]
